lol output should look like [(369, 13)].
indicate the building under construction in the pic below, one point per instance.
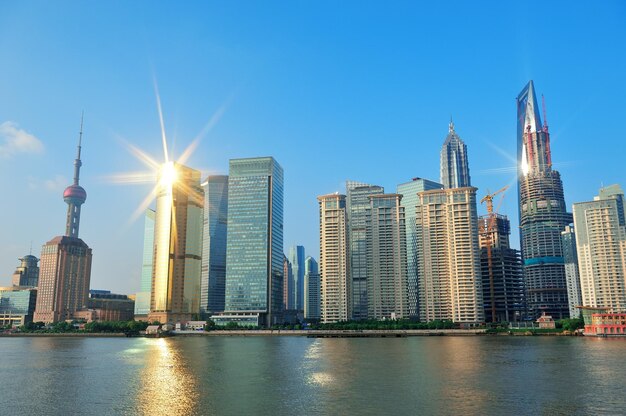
[(501, 269), (542, 212)]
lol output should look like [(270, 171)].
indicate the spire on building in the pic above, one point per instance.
[(75, 195), (454, 164)]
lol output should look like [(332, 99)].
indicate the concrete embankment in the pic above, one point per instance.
[(370, 333), (66, 334)]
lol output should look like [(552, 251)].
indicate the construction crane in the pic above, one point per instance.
[(489, 199), (488, 234)]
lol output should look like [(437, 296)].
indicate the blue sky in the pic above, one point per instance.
[(332, 90)]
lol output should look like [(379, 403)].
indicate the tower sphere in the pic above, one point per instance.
[(75, 194)]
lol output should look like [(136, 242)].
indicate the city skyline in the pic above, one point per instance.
[(325, 105)]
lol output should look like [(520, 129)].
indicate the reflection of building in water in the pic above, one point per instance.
[(167, 385)]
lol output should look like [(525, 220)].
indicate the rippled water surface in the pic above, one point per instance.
[(301, 376)]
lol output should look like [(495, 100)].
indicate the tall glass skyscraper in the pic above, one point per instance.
[(213, 283), (254, 248), (296, 258), (543, 213), (358, 203), (572, 275), (311, 289), (454, 164), (175, 294), (289, 294), (409, 201), (142, 300)]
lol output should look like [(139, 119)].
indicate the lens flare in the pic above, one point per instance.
[(160, 173)]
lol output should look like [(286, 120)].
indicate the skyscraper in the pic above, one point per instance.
[(601, 243), (387, 290), (357, 205), (213, 285), (175, 294), (27, 273), (454, 164), (501, 267), (289, 299), (65, 270), (311, 289), (572, 276), (543, 213), (448, 260), (254, 247), (409, 191), (334, 264), (142, 301), (296, 258)]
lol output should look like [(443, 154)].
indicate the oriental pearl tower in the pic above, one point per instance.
[(75, 195), (65, 271)]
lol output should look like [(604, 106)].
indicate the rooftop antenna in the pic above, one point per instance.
[(545, 118), (545, 130), (30, 252)]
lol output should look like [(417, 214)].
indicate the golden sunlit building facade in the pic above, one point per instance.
[(176, 272)]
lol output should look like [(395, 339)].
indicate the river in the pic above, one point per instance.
[(471, 375)]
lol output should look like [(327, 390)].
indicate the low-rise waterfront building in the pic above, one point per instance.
[(110, 306), (17, 305), (606, 324)]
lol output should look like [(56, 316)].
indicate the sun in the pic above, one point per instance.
[(160, 173), (168, 174)]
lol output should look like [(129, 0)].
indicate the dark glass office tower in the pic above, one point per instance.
[(358, 203), (543, 214), (454, 164), (213, 281), (254, 243)]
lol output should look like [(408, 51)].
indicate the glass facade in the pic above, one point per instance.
[(311, 289), (543, 213), (454, 164), (572, 276), (214, 244), (27, 273), (409, 201), (357, 205), (142, 301), (296, 258), (178, 244), (17, 306), (254, 248)]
